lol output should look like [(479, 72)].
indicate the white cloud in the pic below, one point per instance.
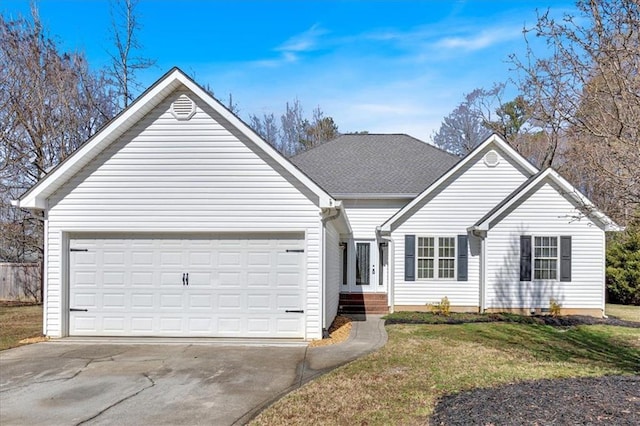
[(480, 40), (290, 50), (303, 42)]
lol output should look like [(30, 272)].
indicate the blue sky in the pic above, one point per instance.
[(381, 66)]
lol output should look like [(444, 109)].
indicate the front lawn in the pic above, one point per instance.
[(401, 382), (623, 312), (18, 323)]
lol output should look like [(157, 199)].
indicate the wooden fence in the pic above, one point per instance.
[(20, 281)]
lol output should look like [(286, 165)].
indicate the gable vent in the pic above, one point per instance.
[(491, 158), (183, 108)]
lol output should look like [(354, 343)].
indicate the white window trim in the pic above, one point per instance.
[(436, 257), (533, 258)]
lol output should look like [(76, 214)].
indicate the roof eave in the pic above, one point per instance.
[(373, 196)]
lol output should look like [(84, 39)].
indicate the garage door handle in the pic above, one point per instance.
[(295, 311), (78, 310)]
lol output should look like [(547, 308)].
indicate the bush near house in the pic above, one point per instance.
[(623, 267)]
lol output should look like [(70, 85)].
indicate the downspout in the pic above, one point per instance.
[(482, 235), (391, 260), (323, 263)]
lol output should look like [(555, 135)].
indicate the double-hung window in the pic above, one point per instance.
[(545, 258), (436, 257)]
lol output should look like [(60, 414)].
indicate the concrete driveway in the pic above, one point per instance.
[(58, 383), (155, 382)]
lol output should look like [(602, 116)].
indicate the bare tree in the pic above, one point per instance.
[(321, 129), (125, 61), (463, 129), (50, 103), (295, 133), (585, 95), (266, 127)]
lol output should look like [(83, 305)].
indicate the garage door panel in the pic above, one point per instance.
[(199, 301), (236, 288), (141, 279), (257, 302), (142, 258), (230, 302), (171, 279), (84, 279), (86, 300), (230, 279), (142, 301), (113, 279), (142, 325), (113, 301), (114, 324), (171, 301), (258, 279)]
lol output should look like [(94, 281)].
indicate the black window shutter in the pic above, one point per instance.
[(409, 257), (565, 259), (463, 259), (525, 258)]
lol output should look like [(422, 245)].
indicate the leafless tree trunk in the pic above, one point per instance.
[(124, 62)]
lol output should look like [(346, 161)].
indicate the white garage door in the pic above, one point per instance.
[(239, 287)]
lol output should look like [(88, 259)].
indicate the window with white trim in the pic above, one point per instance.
[(446, 257), (426, 257), (545, 258), (436, 252)]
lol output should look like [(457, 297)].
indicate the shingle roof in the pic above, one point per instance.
[(374, 164)]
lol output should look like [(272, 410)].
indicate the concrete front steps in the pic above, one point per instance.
[(363, 303)]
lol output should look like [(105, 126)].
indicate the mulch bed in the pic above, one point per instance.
[(563, 321), (611, 400)]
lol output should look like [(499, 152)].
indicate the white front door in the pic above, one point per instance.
[(365, 265), (232, 287)]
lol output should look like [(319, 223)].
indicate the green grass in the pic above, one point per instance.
[(19, 322), (623, 312), (400, 383)]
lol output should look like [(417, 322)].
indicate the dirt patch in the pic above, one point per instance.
[(582, 401), (36, 339), (338, 332)]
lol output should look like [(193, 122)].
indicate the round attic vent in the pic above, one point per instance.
[(183, 108), (491, 158)]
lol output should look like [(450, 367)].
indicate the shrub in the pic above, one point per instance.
[(443, 308), (623, 267), (554, 308)]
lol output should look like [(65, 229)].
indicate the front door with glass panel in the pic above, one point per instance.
[(366, 259)]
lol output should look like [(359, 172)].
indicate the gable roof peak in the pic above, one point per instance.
[(493, 139), (35, 198)]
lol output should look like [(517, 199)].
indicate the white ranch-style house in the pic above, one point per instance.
[(177, 219)]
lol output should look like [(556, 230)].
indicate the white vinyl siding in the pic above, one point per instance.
[(449, 211), (171, 176), (545, 212), (366, 215), (333, 277)]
